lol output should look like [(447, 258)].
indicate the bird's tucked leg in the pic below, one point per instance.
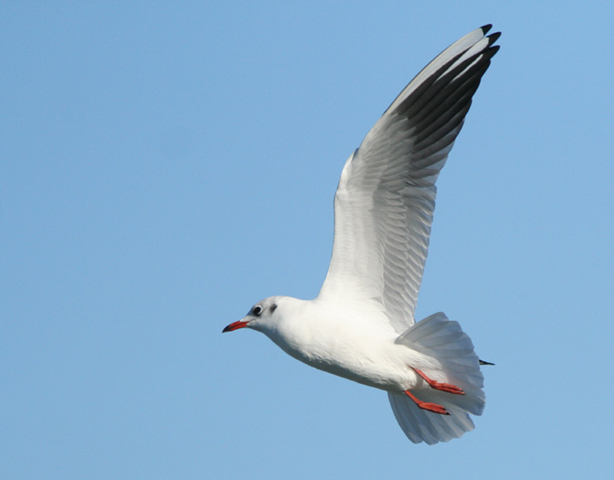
[(431, 407), (444, 387)]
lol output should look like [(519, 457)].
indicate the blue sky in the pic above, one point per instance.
[(164, 165)]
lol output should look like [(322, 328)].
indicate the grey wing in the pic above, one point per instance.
[(385, 200)]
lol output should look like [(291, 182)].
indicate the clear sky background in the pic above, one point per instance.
[(165, 165)]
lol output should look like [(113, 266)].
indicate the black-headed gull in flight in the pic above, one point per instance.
[(361, 326)]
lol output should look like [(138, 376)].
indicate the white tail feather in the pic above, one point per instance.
[(454, 362), (424, 426)]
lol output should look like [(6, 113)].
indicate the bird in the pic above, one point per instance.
[(361, 325)]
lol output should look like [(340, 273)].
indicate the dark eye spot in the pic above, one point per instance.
[(273, 307), (257, 310)]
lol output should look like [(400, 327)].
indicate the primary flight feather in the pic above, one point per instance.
[(361, 326)]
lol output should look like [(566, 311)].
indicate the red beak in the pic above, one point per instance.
[(235, 326)]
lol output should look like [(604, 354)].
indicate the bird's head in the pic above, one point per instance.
[(260, 317)]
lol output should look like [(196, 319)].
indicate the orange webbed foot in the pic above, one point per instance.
[(444, 387), (431, 407)]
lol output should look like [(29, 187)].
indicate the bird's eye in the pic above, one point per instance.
[(257, 310)]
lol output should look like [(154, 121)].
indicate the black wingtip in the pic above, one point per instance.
[(493, 38), (494, 50), (482, 362), (486, 28)]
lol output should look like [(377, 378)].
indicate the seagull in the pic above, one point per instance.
[(361, 325)]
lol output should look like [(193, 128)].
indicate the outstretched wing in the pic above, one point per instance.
[(386, 195)]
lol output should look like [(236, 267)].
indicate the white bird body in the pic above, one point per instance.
[(327, 336), (361, 326)]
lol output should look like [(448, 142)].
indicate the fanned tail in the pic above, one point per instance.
[(451, 360)]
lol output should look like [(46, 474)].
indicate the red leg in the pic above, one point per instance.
[(444, 387), (431, 407)]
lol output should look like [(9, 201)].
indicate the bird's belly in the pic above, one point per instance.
[(373, 361), (367, 374)]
